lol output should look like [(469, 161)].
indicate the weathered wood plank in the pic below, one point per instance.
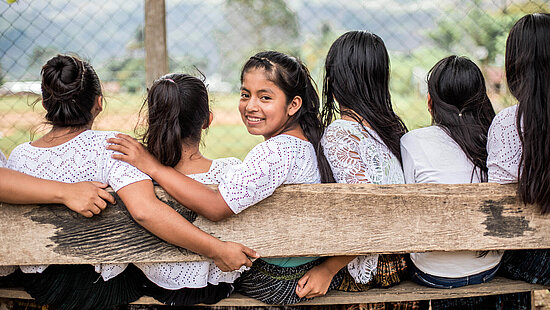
[(297, 220), (156, 55), (405, 291)]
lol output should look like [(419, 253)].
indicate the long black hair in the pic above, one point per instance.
[(528, 77), (177, 111), (357, 76), (460, 106), (70, 88), (293, 78)]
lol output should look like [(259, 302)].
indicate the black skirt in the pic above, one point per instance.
[(79, 287), (210, 294), (276, 285)]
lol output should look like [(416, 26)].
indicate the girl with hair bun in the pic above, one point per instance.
[(72, 152), (519, 138), (452, 151), (279, 102)]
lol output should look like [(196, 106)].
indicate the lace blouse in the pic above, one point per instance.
[(359, 156), (83, 158), (178, 275), (504, 147)]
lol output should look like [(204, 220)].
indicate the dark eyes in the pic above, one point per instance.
[(245, 95)]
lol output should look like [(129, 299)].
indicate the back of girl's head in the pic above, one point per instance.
[(70, 88), (357, 74), (528, 77), (293, 78), (177, 112), (461, 107)]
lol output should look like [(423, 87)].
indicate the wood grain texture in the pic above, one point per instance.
[(156, 60), (405, 291), (297, 220)]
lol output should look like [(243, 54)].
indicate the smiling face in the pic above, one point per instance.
[(263, 105)]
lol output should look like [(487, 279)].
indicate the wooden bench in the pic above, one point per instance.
[(299, 220)]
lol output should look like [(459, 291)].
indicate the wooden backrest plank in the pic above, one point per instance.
[(297, 220)]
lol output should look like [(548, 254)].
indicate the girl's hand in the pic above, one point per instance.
[(232, 256), (86, 198), (133, 153), (315, 282)]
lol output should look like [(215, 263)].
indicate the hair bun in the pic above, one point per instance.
[(67, 69)]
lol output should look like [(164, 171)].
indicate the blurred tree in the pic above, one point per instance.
[(255, 25), (129, 71), (479, 32)]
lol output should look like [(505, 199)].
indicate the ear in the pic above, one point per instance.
[(209, 121), (294, 106), (430, 103), (99, 103)]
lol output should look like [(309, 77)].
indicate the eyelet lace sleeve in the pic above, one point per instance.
[(504, 147), (356, 156)]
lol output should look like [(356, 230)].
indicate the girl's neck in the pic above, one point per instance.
[(192, 161), (295, 131), (350, 115), (59, 135)]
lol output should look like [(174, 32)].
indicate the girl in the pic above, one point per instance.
[(72, 152), (279, 102), (181, 101), (362, 146), (452, 151), (518, 141)]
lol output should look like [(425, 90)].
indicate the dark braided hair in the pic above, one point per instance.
[(70, 88), (293, 78)]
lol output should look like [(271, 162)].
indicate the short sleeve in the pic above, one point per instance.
[(504, 148), (3, 160), (119, 174), (408, 161), (264, 169)]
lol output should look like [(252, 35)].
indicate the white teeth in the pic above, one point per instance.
[(254, 119)]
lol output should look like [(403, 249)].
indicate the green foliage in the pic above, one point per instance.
[(129, 71)]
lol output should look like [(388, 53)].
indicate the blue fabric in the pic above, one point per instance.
[(428, 280), (289, 261)]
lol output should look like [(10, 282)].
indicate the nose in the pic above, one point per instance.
[(252, 104)]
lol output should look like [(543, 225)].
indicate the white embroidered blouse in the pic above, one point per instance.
[(359, 156), (175, 276), (282, 159), (504, 147), (83, 158)]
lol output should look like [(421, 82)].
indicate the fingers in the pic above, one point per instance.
[(106, 196), (118, 148), (304, 291), (100, 184), (87, 213), (100, 203), (250, 253)]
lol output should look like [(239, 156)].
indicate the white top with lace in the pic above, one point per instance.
[(83, 158), (282, 159), (359, 156), (504, 147), (3, 160), (430, 155), (173, 276)]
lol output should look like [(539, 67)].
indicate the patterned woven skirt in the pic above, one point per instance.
[(532, 266), (277, 285), (79, 287)]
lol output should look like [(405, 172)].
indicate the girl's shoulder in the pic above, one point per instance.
[(344, 127), (426, 134), (282, 144), (506, 117), (218, 168)]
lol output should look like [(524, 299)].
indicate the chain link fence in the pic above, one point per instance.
[(216, 37)]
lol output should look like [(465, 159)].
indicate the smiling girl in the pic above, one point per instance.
[(279, 102)]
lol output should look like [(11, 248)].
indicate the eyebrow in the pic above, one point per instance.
[(263, 90)]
